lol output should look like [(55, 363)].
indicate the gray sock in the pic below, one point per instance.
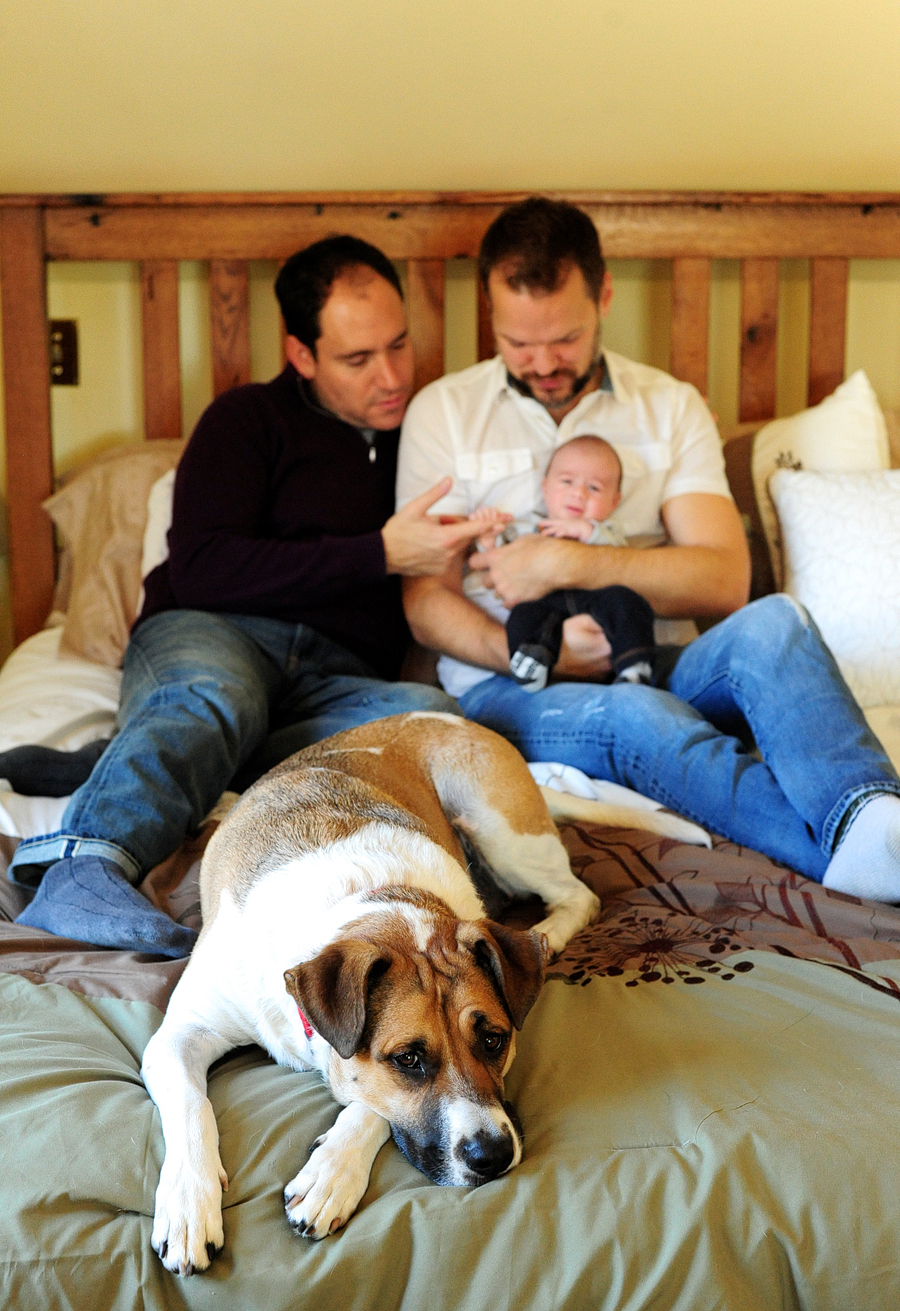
[(867, 862)]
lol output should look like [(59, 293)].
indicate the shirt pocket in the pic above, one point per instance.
[(493, 466), (648, 458)]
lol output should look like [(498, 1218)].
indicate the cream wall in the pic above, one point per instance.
[(696, 94), (217, 94)]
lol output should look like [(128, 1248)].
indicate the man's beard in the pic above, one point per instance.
[(579, 383), (557, 403)]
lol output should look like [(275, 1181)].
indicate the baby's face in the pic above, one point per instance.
[(582, 483)]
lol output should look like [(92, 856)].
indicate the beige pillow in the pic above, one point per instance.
[(845, 433), (100, 515)]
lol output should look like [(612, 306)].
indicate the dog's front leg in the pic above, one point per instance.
[(329, 1188), (187, 1224)]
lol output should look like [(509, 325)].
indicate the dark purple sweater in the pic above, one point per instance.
[(277, 512)]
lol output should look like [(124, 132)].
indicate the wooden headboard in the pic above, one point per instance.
[(425, 229)]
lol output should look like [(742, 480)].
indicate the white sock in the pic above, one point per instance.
[(867, 863), (639, 673)]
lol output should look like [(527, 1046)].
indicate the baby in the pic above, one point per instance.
[(581, 489)]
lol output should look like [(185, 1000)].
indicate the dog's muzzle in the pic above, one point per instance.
[(466, 1160)]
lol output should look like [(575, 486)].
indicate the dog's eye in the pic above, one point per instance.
[(407, 1060), (493, 1042)]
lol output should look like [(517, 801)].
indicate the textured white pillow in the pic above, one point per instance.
[(846, 433), (841, 536)]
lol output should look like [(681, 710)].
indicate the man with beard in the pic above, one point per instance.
[(824, 797)]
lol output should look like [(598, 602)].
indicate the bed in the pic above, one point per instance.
[(709, 1081)]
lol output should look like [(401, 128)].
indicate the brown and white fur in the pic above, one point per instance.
[(336, 891)]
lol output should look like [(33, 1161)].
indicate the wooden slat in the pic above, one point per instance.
[(425, 307), (689, 348), (487, 347), (29, 459), (661, 199), (229, 308), (265, 233), (827, 326), (759, 345), (687, 227), (162, 366)]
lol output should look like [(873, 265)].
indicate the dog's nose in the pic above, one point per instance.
[(488, 1154)]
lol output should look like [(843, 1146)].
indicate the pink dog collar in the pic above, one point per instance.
[(307, 1027)]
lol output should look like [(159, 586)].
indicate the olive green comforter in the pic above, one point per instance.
[(709, 1084)]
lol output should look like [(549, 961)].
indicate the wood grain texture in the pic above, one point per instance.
[(828, 279), (662, 199), (689, 346), (759, 344), (160, 351), (425, 309), (229, 313), (29, 457), (263, 232), (435, 226)]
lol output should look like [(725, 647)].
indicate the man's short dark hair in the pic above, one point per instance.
[(537, 241), (305, 281)]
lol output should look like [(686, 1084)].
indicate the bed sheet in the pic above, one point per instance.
[(709, 1086), (51, 698)]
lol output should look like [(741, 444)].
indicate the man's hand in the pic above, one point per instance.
[(417, 544), (526, 569), (585, 650)]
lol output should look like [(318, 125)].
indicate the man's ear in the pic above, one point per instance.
[(332, 991), (606, 295), (514, 960), (300, 355)]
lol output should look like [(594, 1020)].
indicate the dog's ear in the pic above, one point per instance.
[(515, 960), (332, 990)]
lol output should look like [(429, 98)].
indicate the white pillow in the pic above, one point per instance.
[(155, 546), (846, 433), (841, 537)]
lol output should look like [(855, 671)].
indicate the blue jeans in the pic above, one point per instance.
[(204, 695), (763, 674)]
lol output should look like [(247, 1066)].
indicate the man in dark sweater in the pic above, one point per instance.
[(277, 619)]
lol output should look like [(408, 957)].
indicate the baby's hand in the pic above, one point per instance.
[(493, 521), (577, 529)]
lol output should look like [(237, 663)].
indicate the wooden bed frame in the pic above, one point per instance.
[(425, 229)]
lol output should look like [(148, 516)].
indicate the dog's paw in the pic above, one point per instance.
[(187, 1224), (323, 1196), (568, 917)]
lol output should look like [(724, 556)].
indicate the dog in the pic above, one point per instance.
[(342, 932)]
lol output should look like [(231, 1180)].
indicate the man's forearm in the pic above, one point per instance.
[(705, 571), (680, 582), (444, 620)]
